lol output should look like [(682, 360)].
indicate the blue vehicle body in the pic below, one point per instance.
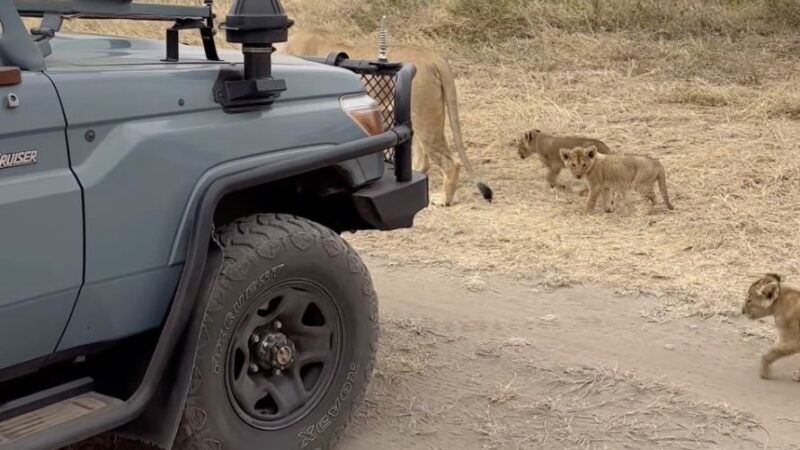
[(122, 141), (117, 165)]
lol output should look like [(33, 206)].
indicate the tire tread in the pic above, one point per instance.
[(240, 240)]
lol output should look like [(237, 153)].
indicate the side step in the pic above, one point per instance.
[(60, 413)]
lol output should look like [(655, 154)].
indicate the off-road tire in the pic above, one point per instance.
[(262, 251)]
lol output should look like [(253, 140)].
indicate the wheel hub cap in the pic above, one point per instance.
[(274, 351), (284, 354)]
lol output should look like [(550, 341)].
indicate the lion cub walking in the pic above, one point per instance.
[(547, 147), (768, 297), (616, 172)]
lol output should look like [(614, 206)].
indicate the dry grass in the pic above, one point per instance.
[(708, 87)]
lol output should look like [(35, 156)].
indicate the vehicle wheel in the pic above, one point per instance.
[(288, 341)]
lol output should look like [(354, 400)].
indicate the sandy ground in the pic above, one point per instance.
[(512, 366)]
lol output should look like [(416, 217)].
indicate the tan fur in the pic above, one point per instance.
[(769, 297), (605, 173), (433, 94), (547, 148)]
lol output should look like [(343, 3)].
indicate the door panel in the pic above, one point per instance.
[(41, 224)]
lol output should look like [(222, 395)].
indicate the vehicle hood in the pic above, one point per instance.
[(86, 54)]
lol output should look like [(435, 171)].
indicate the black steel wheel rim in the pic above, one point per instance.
[(297, 318)]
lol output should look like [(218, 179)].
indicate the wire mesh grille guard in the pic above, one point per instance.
[(381, 87)]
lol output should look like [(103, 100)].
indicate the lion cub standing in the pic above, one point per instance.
[(768, 297), (547, 147), (617, 172)]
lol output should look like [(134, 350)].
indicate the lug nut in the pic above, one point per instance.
[(278, 372), (278, 325), (253, 368), (254, 339)]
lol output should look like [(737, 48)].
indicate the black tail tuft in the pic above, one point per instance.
[(486, 191)]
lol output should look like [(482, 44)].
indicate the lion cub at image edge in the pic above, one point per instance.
[(769, 297), (617, 172), (547, 147)]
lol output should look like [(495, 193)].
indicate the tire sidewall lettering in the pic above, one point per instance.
[(263, 281), (345, 391)]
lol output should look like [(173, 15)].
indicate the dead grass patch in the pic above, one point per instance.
[(789, 109), (699, 98)]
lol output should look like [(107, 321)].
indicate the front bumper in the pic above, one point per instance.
[(388, 204)]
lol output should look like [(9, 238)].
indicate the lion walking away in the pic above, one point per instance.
[(434, 94)]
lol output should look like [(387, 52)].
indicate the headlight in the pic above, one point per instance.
[(365, 112)]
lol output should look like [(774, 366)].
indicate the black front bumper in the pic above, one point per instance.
[(388, 204)]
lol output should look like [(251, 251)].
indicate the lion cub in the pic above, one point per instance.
[(768, 297), (547, 148), (617, 172)]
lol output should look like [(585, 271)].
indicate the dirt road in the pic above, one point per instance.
[(507, 366)]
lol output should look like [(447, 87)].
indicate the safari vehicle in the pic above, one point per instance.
[(171, 266)]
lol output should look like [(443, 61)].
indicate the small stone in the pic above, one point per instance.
[(669, 346), (549, 318)]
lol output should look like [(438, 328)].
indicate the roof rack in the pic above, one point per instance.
[(53, 13)]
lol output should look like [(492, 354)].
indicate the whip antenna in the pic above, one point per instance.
[(383, 41)]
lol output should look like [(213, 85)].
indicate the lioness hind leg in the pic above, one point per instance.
[(421, 161), (438, 151), (450, 172), (451, 181)]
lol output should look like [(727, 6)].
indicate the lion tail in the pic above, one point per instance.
[(451, 102)]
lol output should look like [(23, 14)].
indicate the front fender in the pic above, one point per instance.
[(161, 397)]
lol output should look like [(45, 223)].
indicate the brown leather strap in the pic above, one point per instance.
[(9, 76)]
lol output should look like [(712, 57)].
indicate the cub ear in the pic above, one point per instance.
[(771, 291), (591, 152), (565, 154), (774, 276)]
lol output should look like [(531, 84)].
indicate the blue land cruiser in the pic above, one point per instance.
[(171, 266)]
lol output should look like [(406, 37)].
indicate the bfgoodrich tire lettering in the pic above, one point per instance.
[(267, 255)]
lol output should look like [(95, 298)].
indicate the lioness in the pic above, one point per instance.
[(768, 297), (547, 147), (617, 172), (433, 91)]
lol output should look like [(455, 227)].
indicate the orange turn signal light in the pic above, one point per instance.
[(365, 112)]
